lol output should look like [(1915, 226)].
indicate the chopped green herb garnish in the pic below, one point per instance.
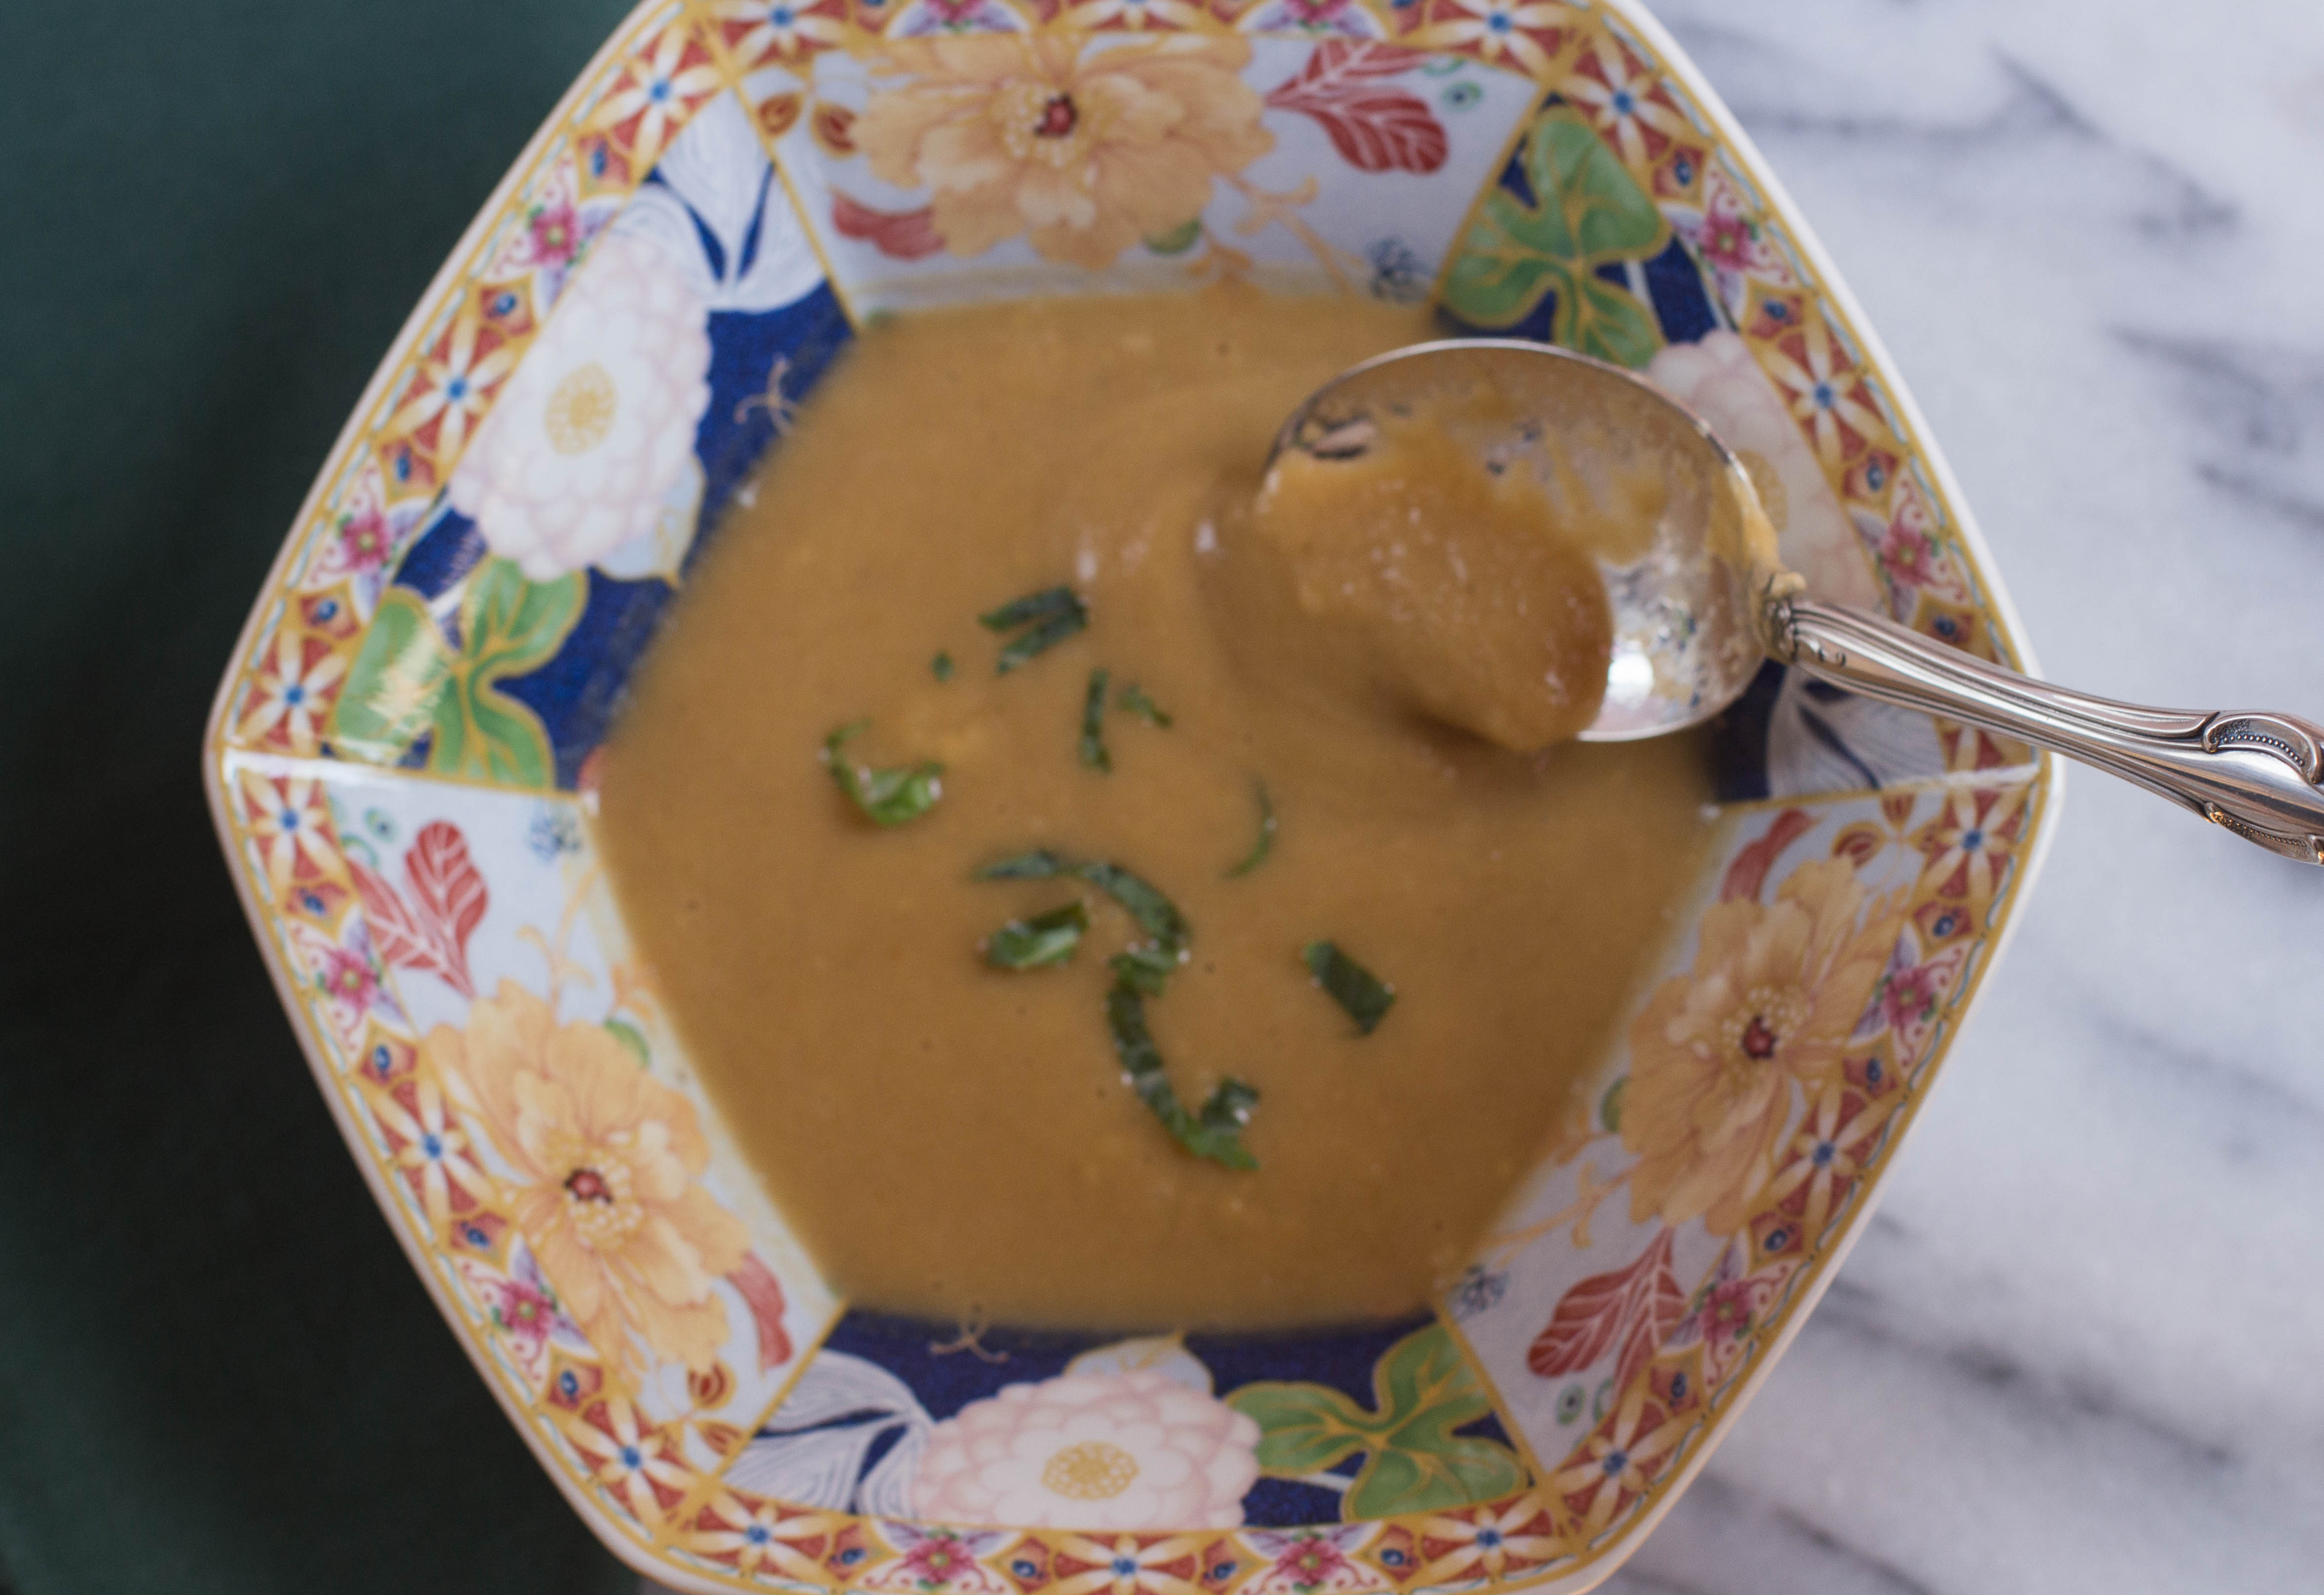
[(1215, 1133), (1094, 753), (890, 796), (1365, 997), (1229, 1105), (1134, 701), (1139, 973), (1266, 843), (942, 665), (1157, 915), (1041, 640), (1039, 942), (1040, 864), (1144, 968), (1046, 604), (1053, 614)]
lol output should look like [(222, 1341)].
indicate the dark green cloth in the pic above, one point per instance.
[(217, 1371)]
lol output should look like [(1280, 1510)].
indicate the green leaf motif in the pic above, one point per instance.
[(632, 1040), (407, 678), (392, 687), (1422, 1390), (1588, 212)]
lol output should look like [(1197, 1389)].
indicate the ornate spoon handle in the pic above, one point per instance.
[(2256, 774)]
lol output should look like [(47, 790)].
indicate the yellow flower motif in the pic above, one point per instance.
[(605, 1160), (1019, 133), (1719, 1054)]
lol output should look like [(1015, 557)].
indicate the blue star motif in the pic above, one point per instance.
[(630, 1457), (1616, 1460)]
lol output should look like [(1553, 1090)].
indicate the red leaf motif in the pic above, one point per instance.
[(1634, 1307), (907, 235), (1375, 126), (1748, 872), (397, 935), (764, 1293), (450, 893)]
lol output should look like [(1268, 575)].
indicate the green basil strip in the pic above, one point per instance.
[(1040, 864), (1363, 995), (1054, 613), (1229, 1105), (890, 796), (1156, 914), (1134, 701), (942, 665), (1266, 843), (1041, 640), (1046, 604), (1216, 1133), (1146, 968), (1094, 753), (1039, 942)]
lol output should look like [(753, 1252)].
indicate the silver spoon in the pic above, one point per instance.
[(1695, 615)]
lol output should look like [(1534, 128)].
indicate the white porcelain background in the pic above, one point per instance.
[(2071, 1352)]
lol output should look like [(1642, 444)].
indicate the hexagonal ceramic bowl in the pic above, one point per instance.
[(400, 763)]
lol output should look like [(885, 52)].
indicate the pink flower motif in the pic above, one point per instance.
[(1312, 1560), (1728, 1311), (1729, 242), (1910, 994), (1132, 1451), (361, 542), (936, 1559), (348, 977), (556, 233), (596, 426), (1908, 551), (524, 1313)]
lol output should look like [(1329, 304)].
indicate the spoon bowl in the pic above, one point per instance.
[(1704, 598), (1684, 642)]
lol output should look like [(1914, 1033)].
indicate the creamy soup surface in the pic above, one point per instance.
[(962, 1141)]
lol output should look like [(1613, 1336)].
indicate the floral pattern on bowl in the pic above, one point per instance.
[(400, 763)]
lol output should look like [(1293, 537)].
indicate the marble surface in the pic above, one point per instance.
[(2074, 1352)]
